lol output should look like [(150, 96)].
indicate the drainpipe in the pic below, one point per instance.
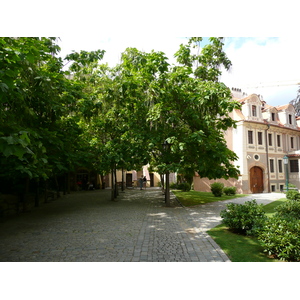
[(267, 153)]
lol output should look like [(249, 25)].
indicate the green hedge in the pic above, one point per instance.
[(280, 238), (230, 190), (246, 218), (217, 189)]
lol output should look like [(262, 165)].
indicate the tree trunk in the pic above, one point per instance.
[(167, 193), (65, 184), (68, 183), (23, 195), (46, 192), (116, 184), (102, 182), (57, 187), (122, 186), (112, 185), (162, 181), (37, 194)]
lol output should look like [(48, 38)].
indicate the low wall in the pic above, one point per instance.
[(203, 184)]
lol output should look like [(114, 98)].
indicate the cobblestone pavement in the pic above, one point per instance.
[(88, 227)]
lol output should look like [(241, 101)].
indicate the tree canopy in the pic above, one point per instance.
[(53, 120)]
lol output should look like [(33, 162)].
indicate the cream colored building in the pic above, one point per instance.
[(263, 136), (131, 178)]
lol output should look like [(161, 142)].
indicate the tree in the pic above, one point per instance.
[(188, 109), (40, 111)]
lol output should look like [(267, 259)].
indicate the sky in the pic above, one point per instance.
[(262, 65)]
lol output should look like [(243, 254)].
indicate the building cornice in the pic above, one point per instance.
[(267, 125)]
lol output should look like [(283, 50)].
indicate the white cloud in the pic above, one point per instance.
[(254, 60), (263, 61)]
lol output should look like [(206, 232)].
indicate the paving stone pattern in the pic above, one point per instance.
[(88, 227)]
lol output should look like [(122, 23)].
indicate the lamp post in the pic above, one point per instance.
[(167, 147), (286, 162)]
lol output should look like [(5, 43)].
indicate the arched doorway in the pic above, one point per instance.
[(256, 180)]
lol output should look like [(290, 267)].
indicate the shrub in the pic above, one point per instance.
[(230, 190), (248, 218), (280, 238), (174, 185), (184, 186), (289, 209), (217, 189), (293, 195)]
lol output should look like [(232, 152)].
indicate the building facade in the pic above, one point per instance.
[(263, 136)]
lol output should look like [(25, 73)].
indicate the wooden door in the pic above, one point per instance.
[(128, 180), (256, 180)]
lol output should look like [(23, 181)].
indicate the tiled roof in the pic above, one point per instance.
[(281, 107)]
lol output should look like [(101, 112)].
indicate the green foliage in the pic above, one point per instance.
[(280, 238), (106, 118), (184, 186), (229, 190), (293, 195), (40, 111), (217, 189), (248, 218), (289, 209), (173, 185)]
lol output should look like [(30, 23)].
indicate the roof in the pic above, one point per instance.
[(282, 107)]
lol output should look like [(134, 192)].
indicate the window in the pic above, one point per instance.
[(273, 188), (294, 166), (259, 138), (278, 141), (290, 119), (281, 187), (250, 137), (272, 165), (292, 142), (273, 116), (254, 111), (280, 166), (270, 139)]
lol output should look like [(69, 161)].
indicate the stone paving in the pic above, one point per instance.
[(88, 227)]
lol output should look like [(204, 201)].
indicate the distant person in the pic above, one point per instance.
[(145, 181), (141, 181)]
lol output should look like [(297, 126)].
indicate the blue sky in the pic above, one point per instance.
[(257, 62)]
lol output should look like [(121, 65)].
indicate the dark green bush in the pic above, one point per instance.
[(289, 209), (280, 238), (230, 190), (217, 189), (248, 218), (174, 185), (293, 195), (184, 186)]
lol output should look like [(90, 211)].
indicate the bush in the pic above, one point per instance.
[(229, 190), (174, 185), (248, 218), (289, 209), (293, 195), (184, 186), (217, 189), (280, 238)]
